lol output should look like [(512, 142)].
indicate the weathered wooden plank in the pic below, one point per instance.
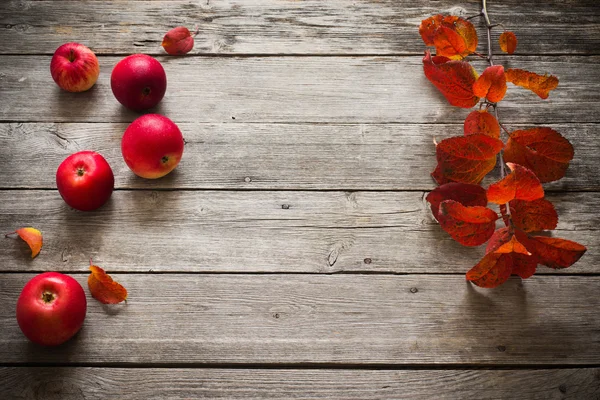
[(296, 89), (181, 383), (232, 231), (276, 27), (329, 319), (270, 156)]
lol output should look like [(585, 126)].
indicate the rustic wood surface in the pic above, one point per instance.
[(291, 254)]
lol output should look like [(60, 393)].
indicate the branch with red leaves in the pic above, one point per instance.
[(534, 156)]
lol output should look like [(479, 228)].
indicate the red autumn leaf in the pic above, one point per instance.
[(538, 84), (178, 41), (464, 193), (428, 28), (468, 225), (452, 36), (543, 150), (520, 184), (454, 79), (103, 288), (493, 270), (532, 216), (508, 42), (467, 159), (491, 84), (556, 252), (482, 122), (32, 237)]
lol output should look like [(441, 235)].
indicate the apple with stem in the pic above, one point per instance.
[(74, 67), (51, 308), (138, 82), (85, 180)]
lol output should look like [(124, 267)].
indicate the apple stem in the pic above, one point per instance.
[(71, 55), (91, 263), (196, 31)]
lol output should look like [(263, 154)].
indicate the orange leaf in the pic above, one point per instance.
[(428, 28), (467, 159), (470, 226), (508, 42), (454, 79), (556, 252), (103, 288), (178, 41), (520, 184), (543, 150), (538, 84), (491, 84), (533, 216), (493, 270), (32, 237), (482, 122), (452, 36), (464, 193)]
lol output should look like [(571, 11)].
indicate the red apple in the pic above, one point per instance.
[(85, 180), (152, 146), (51, 308), (138, 82), (74, 67)]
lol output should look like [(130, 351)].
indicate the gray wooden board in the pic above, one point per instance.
[(257, 231), (325, 319), (284, 27), (180, 383), (296, 89), (271, 156)]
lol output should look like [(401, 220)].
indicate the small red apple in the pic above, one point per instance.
[(138, 82), (74, 67), (152, 146), (85, 180), (51, 308)]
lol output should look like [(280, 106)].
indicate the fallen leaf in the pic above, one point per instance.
[(491, 84), (532, 216), (467, 159), (452, 36), (508, 42), (178, 41), (32, 237), (428, 28), (104, 288), (520, 184), (538, 84), (482, 122), (454, 79), (464, 193), (556, 252), (543, 150), (468, 225)]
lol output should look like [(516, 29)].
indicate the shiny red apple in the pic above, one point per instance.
[(85, 180), (74, 67), (138, 82), (152, 146), (51, 308)]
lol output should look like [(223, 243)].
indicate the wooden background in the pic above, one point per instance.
[(291, 254)]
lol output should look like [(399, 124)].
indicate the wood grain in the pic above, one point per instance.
[(233, 231), (330, 319), (298, 156), (179, 383), (296, 89), (286, 27)]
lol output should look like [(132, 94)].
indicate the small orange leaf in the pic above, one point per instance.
[(178, 41), (103, 288), (556, 252), (468, 225), (32, 237), (520, 184), (482, 122), (491, 84), (508, 42), (492, 271), (464, 193), (538, 84), (454, 79), (428, 28), (452, 36)]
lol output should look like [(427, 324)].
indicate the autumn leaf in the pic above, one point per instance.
[(454, 79), (508, 42), (520, 184), (543, 150), (178, 41), (464, 193), (468, 225), (467, 159), (103, 288), (482, 122), (452, 36), (493, 270), (538, 84), (491, 84), (32, 237), (428, 28), (532, 216), (556, 252)]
